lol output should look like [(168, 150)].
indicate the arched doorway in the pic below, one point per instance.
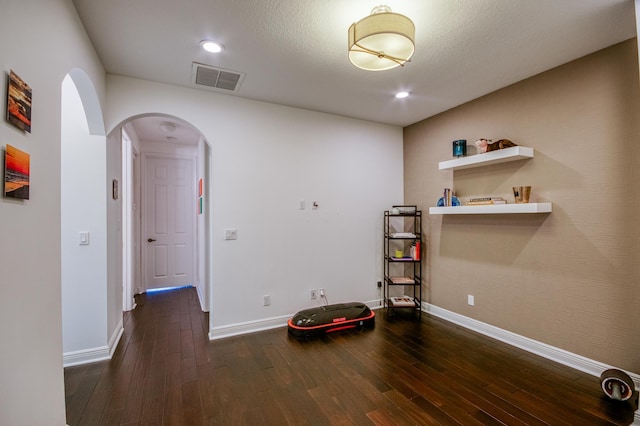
[(99, 237)]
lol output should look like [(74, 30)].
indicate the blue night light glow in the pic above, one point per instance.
[(158, 290)]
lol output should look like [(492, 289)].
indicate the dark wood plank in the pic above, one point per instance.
[(406, 371)]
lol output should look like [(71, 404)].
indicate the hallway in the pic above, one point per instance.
[(154, 372), (166, 372)]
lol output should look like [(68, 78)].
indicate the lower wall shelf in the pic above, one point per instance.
[(494, 209)]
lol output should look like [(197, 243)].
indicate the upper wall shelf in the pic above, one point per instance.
[(494, 157)]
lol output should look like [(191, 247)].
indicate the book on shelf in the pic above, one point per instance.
[(402, 259), (485, 198), (447, 197), (483, 201), (402, 301), (402, 280)]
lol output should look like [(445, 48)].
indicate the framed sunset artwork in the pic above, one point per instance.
[(16, 173), (19, 103)]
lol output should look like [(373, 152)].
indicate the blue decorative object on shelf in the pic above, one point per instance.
[(454, 201), (460, 148)]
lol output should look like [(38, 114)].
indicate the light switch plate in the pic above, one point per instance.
[(230, 234), (84, 238)]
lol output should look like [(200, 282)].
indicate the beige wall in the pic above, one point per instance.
[(571, 278)]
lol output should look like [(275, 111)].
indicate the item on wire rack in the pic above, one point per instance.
[(402, 301), (402, 280), (414, 251)]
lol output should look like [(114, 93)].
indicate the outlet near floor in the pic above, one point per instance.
[(266, 300), (471, 300)]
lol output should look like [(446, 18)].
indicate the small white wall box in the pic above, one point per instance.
[(84, 238)]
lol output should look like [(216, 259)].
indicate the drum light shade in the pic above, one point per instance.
[(382, 40)]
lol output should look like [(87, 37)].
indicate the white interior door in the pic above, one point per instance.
[(169, 218)]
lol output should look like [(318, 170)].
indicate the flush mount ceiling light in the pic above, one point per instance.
[(211, 46), (382, 40), (402, 95), (167, 127)]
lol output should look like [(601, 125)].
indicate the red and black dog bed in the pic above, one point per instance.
[(329, 318)]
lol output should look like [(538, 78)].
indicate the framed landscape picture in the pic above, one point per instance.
[(19, 103), (16, 173)]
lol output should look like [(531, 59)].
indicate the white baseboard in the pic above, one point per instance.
[(247, 327), (586, 365), (204, 306), (115, 337), (85, 356), (101, 353)]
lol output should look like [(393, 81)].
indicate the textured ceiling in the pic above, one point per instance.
[(294, 52)]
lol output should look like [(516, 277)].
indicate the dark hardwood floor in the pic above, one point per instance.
[(404, 372)]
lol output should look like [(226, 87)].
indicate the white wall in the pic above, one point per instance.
[(265, 158), (202, 228), (84, 267), (133, 186), (129, 244), (44, 41), (114, 240)]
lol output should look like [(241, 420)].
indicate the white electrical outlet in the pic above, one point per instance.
[(471, 300), (266, 300), (314, 294), (231, 234), (321, 291), (302, 204)]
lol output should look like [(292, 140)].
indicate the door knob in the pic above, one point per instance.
[(150, 240)]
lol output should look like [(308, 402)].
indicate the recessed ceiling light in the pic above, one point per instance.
[(402, 95), (211, 46)]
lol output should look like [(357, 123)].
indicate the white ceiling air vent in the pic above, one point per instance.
[(217, 79)]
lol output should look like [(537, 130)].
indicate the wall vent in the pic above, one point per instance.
[(216, 78)]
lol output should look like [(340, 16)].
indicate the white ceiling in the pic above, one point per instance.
[(294, 52)]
